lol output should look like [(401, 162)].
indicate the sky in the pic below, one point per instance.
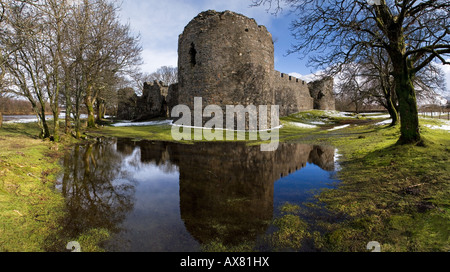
[(160, 22)]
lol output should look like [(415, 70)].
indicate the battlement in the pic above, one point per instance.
[(291, 78)]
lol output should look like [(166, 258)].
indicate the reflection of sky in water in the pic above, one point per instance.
[(300, 185), (154, 224)]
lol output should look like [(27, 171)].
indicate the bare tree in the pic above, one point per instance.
[(27, 63), (105, 47), (166, 74), (352, 87), (67, 53), (413, 33), (370, 80)]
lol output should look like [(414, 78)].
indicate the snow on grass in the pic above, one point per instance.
[(380, 116), (443, 124), (339, 127), (385, 122), (332, 113), (301, 125), (141, 124), (443, 127), (318, 123)]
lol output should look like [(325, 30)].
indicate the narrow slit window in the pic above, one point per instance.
[(193, 54)]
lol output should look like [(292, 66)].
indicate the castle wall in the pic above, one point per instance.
[(291, 94), (126, 108), (322, 93), (152, 102)]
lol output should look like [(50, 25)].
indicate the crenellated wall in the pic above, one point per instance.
[(291, 94)]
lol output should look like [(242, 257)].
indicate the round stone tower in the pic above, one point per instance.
[(227, 59)]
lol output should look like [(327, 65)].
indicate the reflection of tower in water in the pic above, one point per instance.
[(226, 189)]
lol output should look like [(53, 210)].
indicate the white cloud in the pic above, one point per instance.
[(157, 57), (309, 77), (446, 70)]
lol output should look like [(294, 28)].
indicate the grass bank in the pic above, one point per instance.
[(31, 209)]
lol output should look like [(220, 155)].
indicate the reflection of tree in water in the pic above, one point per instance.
[(97, 196)]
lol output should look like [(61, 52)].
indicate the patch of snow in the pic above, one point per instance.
[(332, 113), (301, 125), (380, 116), (443, 127), (25, 119), (385, 122), (141, 124), (339, 127)]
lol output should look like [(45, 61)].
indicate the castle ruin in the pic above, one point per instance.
[(228, 59)]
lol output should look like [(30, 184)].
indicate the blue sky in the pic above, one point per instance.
[(161, 22)]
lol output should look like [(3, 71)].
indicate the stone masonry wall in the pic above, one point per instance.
[(291, 94), (150, 105), (322, 93)]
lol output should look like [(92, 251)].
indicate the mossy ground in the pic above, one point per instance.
[(30, 207), (397, 195)]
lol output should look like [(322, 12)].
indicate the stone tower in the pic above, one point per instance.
[(227, 59)]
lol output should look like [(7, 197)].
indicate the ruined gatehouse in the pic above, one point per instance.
[(228, 59)]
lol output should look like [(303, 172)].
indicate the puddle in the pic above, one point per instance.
[(164, 197)]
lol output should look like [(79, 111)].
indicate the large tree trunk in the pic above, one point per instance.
[(1, 120), (406, 95), (407, 102), (100, 110)]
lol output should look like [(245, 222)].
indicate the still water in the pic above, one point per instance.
[(158, 196)]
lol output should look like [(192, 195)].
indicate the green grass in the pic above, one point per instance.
[(30, 207), (158, 132), (396, 195)]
